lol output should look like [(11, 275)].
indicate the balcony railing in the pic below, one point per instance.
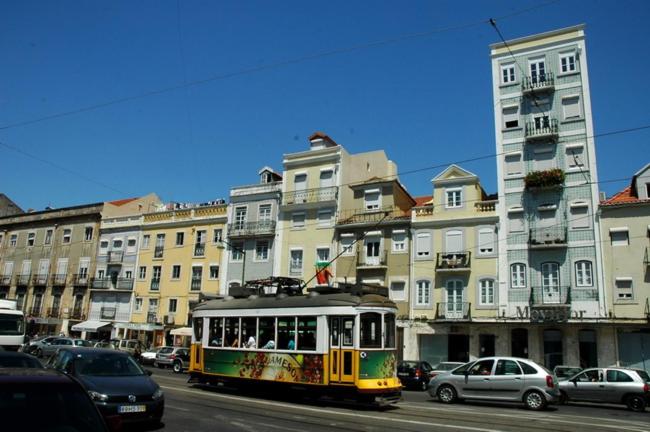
[(486, 206), (453, 261), (538, 84), (101, 283), (152, 317), (548, 237), (35, 310), (23, 279), (310, 196), (77, 313), (195, 285), (115, 257), (251, 229), (5, 280), (365, 261), (108, 313), (113, 283), (155, 284), (81, 280), (460, 311), (199, 249), (158, 251), (39, 279), (54, 312), (124, 284), (372, 216), (59, 279), (543, 129), (295, 269), (550, 295)]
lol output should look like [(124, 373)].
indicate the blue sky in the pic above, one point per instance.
[(425, 100)]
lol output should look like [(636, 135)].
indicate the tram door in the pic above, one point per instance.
[(342, 349)]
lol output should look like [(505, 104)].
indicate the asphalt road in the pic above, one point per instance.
[(193, 409)]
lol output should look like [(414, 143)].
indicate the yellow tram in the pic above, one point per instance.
[(341, 343)]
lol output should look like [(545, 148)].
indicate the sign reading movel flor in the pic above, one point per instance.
[(560, 313)]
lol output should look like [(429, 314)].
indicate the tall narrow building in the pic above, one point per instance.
[(551, 292)]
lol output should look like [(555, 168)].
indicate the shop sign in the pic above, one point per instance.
[(549, 314)]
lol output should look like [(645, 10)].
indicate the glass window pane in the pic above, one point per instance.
[(370, 330), (307, 333)]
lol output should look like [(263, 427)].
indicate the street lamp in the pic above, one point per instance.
[(243, 252)]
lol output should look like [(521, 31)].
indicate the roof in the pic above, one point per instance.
[(301, 301), (423, 200), (624, 197), (122, 201), (323, 136)]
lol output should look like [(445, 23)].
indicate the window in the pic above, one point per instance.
[(215, 337), (237, 251), (513, 164), (240, 217), (101, 273), (537, 70), (295, 264), (423, 245), (619, 236), (128, 274), (217, 235), (486, 292), (48, 237), (307, 333), (88, 234), (579, 215), (398, 291), (117, 244), (324, 218), (571, 107), (214, 271), (507, 367), (567, 63), (142, 272), (575, 158), (180, 238), (67, 235), (287, 333), (510, 117), (323, 254), (508, 74), (614, 375), (130, 245), (399, 241), (145, 241), (423, 293), (372, 199), (157, 271), (370, 335), (584, 274), (103, 247), (31, 238), (176, 271), (173, 304), (197, 275), (153, 305), (13, 240), (347, 245), (544, 158), (84, 263), (266, 331), (453, 241), (160, 246), (264, 213), (298, 220), (454, 198), (389, 330), (515, 221), (262, 250), (518, 275), (624, 289), (485, 241), (138, 304), (483, 367)]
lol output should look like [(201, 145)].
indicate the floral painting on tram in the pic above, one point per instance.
[(377, 364)]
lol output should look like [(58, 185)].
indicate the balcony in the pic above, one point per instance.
[(199, 249), (544, 180), (155, 284), (372, 216), (59, 279), (81, 280), (459, 311), (542, 129), (101, 283), (124, 284), (39, 279), (152, 318), (310, 196), (195, 285), (115, 257), (5, 280), (251, 229), (108, 313), (113, 283), (54, 312), (550, 296), (35, 310), (538, 85), (77, 314), (23, 279), (453, 261), (158, 251), (548, 237), (372, 262), (486, 206)]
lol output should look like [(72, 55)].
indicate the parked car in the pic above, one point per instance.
[(132, 346), (149, 356), (46, 400), (33, 345), (115, 381), (61, 342), (414, 373), (563, 372), (176, 357), (499, 379), (105, 345), (608, 385), (444, 367), (9, 359)]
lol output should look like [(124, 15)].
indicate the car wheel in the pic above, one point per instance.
[(446, 394), (636, 403), (534, 400), (563, 398), (177, 367)]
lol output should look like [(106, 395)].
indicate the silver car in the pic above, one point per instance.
[(62, 342), (608, 385), (508, 379)]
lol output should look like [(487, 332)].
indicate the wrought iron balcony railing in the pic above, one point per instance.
[(115, 257), (5, 280), (453, 261), (538, 84), (35, 310), (81, 280), (23, 279), (54, 312), (155, 284), (548, 237), (365, 261), (59, 279), (543, 128), (251, 229), (309, 196), (550, 295), (195, 284), (158, 251), (152, 317), (372, 216), (39, 279), (124, 284), (460, 311), (199, 249)]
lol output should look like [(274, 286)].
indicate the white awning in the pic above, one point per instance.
[(89, 326), (183, 331)]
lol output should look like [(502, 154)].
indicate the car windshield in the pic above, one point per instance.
[(407, 365), (84, 343), (11, 324), (107, 364)]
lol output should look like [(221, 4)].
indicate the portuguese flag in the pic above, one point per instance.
[(323, 273)]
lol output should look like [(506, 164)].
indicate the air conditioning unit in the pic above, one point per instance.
[(169, 319)]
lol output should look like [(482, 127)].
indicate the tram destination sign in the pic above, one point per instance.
[(546, 314)]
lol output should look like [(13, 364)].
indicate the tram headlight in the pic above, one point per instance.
[(363, 354)]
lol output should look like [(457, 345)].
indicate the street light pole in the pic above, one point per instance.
[(243, 252)]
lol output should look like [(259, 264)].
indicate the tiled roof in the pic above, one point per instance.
[(122, 201), (626, 196), (423, 200)]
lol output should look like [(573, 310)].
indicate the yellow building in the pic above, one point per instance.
[(178, 262)]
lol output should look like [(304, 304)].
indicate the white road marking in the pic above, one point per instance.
[(176, 408), (272, 426)]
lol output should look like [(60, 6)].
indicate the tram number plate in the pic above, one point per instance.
[(131, 408)]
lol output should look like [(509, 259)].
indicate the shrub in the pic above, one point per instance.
[(547, 178)]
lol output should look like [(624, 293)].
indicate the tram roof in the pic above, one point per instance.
[(302, 301)]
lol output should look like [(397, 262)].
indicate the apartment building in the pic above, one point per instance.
[(551, 293), (251, 235), (8, 207), (454, 294), (625, 226), (178, 263)]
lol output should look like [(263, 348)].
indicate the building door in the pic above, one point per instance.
[(326, 182), (43, 269), (553, 349), (342, 349), (372, 247), (458, 347), (300, 186), (537, 71), (486, 345), (588, 348), (454, 306), (519, 342), (550, 283)]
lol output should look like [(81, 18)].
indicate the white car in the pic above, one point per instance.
[(149, 356)]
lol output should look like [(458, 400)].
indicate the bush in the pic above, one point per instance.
[(547, 178)]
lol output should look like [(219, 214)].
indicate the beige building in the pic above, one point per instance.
[(625, 224), (454, 264), (178, 262)]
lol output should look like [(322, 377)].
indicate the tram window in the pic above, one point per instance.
[(198, 329), (389, 331), (216, 332), (307, 333), (249, 332), (348, 331), (287, 333), (267, 333), (370, 330), (232, 332)]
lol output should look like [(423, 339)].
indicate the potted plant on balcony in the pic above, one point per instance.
[(546, 179)]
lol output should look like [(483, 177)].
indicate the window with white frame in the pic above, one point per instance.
[(298, 220), (67, 235), (31, 238), (372, 199), (217, 235), (240, 217), (454, 241), (323, 254), (142, 272), (325, 218), (347, 244), (262, 250), (264, 213), (101, 273), (137, 304), (173, 305), (579, 215), (516, 220), (237, 251), (514, 165), (145, 241), (88, 233), (510, 117), (575, 157), (214, 271), (567, 62), (518, 275), (399, 241), (398, 290), (584, 274), (180, 238), (571, 107), (48, 236), (508, 75), (423, 245), (422, 293), (153, 305), (486, 292), (176, 271), (117, 244), (624, 288), (454, 198), (619, 236), (13, 240), (131, 245), (295, 262), (486, 239)]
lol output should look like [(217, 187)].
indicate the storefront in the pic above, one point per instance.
[(151, 335), (95, 330)]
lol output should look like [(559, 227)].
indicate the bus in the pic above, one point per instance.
[(330, 342), (12, 326)]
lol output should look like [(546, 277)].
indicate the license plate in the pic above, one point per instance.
[(131, 408), (402, 374)]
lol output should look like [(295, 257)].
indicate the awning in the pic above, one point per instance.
[(89, 326), (139, 326), (183, 331)]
